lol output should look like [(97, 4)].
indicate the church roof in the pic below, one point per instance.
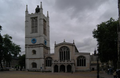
[(64, 43), (67, 43)]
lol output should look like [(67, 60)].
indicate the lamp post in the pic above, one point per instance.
[(97, 67), (1, 51)]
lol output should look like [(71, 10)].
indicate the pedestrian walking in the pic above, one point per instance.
[(114, 74)]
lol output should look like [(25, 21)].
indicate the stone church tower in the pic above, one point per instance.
[(66, 57), (37, 42)]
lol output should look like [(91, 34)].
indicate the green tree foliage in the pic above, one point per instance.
[(7, 43), (22, 61), (15, 49), (0, 27), (106, 35), (8, 49)]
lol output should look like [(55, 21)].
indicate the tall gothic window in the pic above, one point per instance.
[(48, 61), (34, 65), (34, 24), (64, 53), (44, 27), (81, 61)]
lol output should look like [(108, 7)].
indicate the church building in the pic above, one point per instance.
[(66, 57)]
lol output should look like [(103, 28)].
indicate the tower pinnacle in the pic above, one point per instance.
[(26, 8), (41, 5), (64, 40), (95, 52), (47, 14), (73, 42), (55, 42)]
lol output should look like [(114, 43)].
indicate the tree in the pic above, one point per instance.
[(7, 43), (22, 61), (15, 49), (106, 35), (8, 49)]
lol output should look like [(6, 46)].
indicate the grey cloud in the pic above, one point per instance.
[(78, 6), (12, 20), (69, 19), (9, 6), (86, 45), (109, 12)]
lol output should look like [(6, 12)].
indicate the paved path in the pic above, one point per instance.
[(25, 74), (105, 75)]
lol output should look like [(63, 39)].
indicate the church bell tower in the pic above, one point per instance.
[(37, 42)]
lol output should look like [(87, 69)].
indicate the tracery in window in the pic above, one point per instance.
[(64, 53), (81, 61), (48, 61), (34, 24), (44, 27)]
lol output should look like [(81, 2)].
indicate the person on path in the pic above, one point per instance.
[(114, 74)]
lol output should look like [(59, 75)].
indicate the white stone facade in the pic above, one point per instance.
[(66, 57), (41, 44), (72, 61)]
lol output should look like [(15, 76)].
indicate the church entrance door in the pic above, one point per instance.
[(69, 68), (56, 68), (62, 68)]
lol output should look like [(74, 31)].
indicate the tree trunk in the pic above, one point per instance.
[(1, 65), (9, 64)]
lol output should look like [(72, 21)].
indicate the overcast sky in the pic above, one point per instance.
[(69, 20)]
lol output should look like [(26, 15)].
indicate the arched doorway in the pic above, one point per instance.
[(93, 69), (62, 68), (55, 68), (69, 68)]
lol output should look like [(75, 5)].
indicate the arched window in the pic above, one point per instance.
[(48, 61), (34, 65), (64, 53), (81, 61), (34, 25), (44, 27), (33, 51)]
